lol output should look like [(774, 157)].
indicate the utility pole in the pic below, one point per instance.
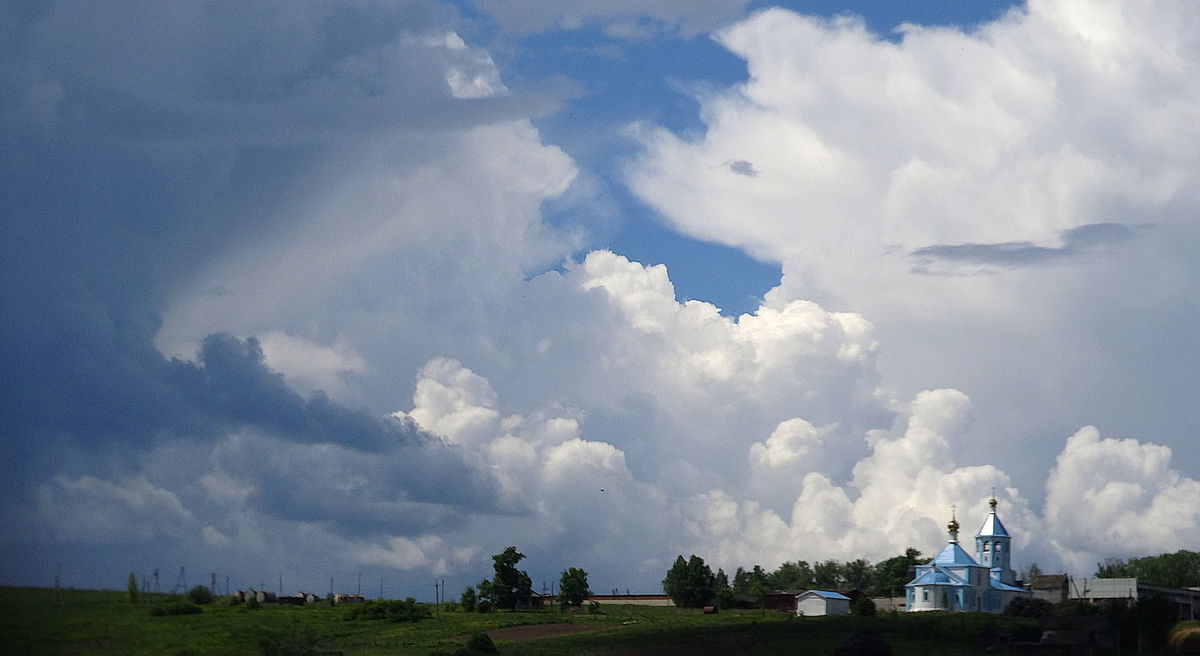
[(381, 587), (281, 584), (360, 582)]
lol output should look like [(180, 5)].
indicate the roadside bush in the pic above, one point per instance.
[(200, 595), (176, 607)]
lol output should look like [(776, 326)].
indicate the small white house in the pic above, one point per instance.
[(822, 602)]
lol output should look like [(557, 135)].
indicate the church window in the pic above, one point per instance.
[(985, 546), (924, 594)]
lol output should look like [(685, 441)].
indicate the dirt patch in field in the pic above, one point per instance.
[(539, 631)]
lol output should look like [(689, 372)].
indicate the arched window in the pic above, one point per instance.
[(986, 545), (924, 594)]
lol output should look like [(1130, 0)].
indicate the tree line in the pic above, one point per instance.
[(692, 583), (1174, 570)]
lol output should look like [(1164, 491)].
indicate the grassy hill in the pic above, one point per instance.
[(103, 622)]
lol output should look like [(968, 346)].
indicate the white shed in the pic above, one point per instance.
[(822, 602)]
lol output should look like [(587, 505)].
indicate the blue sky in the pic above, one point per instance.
[(319, 288)]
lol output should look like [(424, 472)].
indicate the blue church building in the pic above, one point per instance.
[(954, 580)]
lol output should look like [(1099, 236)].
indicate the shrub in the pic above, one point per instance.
[(252, 603), (484, 606), (131, 588), (863, 606), (176, 607), (1029, 607), (395, 610), (200, 595)]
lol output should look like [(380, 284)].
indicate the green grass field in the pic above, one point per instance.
[(102, 622)]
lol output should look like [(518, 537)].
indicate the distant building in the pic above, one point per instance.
[(1185, 601), (822, 602), (1049, 587), (954, 580)]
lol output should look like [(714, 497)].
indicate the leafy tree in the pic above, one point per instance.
[(1113, 568), (858, 574), (510, 586), (792, 576), (690, 583), (467, 600), (1175, 570), (1032, 573), (722, 580), (131, 588), (573, 587), (741, 581), (892, 575), (828, 575)]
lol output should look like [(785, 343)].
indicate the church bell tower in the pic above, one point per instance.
[(992, 548)]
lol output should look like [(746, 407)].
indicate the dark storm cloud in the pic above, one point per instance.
[(140, 140), (233, 74), (1077, 242)]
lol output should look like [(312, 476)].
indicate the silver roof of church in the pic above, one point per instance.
[(992, 527)]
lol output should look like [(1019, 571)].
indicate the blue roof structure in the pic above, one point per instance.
[(825, 594), (939, 577), (992, 527), (953, 554)]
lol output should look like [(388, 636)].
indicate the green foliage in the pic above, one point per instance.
[(1146, 623), (891, 575), (300, 642), (200, 595), (1029, 607), (741, 581), (796, 575), (33, 621), (726, 598), (690, 583), (510, 587), (175, 607), (484, 606), (1032, 573), (468, 600), (573, 586), (828, 575), (1175, 570), (394, 610), (863, 606), (252, 603), (131, 588)]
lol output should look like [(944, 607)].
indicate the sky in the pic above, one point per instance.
[(316, 290)]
